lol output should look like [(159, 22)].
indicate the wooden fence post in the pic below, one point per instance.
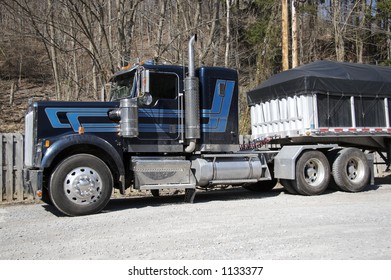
[(11, 168), (9, 163), (1, 168), (19, 151)]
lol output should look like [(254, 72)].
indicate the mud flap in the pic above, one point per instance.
[(190, 195)]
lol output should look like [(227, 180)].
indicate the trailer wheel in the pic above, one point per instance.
[(288, 185), (81, 185), (261, 186), (351, 170), (312, 173)]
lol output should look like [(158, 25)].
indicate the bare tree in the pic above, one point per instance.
[(295, 52), (228, 33)]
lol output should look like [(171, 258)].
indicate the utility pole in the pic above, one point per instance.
[(295, 51), (285, 36)]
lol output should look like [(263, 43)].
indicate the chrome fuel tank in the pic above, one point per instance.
[(229, 169)]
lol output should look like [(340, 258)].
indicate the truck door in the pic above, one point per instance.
[(159, 117)]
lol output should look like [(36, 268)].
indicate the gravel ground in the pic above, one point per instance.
[(221, 224)]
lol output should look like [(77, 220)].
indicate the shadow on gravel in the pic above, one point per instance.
[(53, 210), (366, 189), (231, 194), (371, 188), (119, 204), (383, 180)]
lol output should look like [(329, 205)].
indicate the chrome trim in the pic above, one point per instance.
[(219, 148), (162, 172), (30, 139), (83, 186)]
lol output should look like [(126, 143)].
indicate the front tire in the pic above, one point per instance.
[(46, 196), (81, 185)]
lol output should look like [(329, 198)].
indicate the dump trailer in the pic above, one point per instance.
[(343, 108), (176, 127)]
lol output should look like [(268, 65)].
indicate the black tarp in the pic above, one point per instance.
[(325, 77)]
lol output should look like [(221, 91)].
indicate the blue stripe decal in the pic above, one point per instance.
[(91, 127), (158, 113), (154, 128), (74, 123), (217, 115)]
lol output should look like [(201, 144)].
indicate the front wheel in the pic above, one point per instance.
[(81, 185)]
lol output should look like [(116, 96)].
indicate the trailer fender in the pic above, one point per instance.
[(285, 161), (73, 140)]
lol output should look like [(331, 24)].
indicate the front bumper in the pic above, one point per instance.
[(33, 181)]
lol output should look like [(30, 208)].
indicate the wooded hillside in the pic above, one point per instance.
[(73, 46)]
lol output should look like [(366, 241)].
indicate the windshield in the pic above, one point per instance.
[(122, 86)]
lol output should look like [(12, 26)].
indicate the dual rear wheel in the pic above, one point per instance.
[(347, 168)]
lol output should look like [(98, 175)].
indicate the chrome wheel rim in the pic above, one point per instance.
[(83, 185), (314, 172), (354, 169)]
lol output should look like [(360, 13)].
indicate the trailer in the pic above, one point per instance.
[(344, 108), (176, 127)]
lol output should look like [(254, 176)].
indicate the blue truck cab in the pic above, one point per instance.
[(165, 127)]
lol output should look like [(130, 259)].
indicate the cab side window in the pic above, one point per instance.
[(163, 86)]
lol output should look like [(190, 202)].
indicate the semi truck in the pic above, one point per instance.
[(177, 127)]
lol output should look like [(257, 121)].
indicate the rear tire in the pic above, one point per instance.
[(81, 185), (312, 173), (288, 185), (351, 170)]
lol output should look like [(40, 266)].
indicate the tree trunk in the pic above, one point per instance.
[(212, 32), (12, 92), (388, 39), (53, 51), (361, 33), (162, 18), (295, 51), (228, 34), (338, 31), (76, 81)]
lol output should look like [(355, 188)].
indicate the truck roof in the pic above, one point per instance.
[(325, 77), (151, 66)]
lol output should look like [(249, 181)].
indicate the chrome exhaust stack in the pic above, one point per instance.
[(192, 101)]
